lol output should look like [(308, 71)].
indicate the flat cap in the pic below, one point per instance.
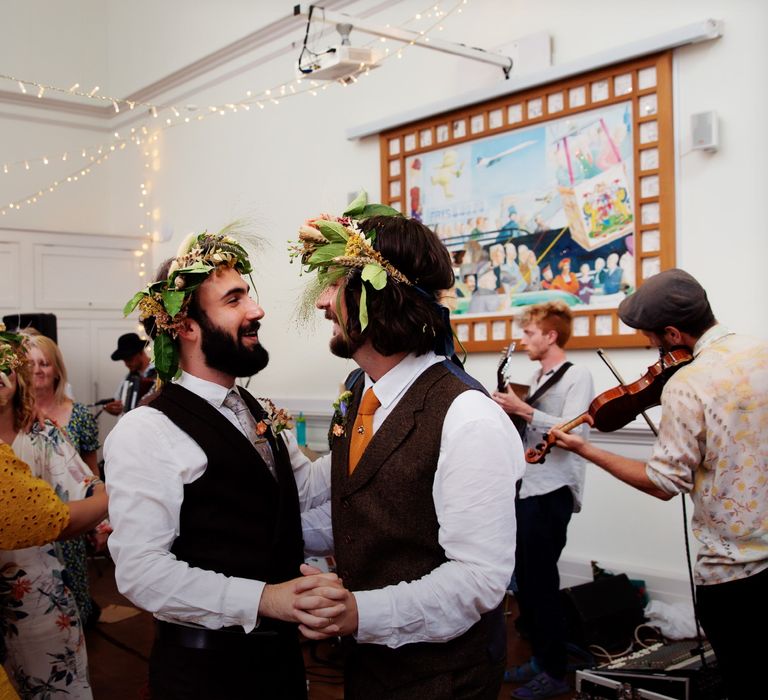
[(670, 298)]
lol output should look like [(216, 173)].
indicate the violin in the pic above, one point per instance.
[(614, 408)]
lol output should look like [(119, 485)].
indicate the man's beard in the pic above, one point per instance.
[(342, 344), (225, 354)]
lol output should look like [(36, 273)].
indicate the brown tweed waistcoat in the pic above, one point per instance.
[(385, 527)]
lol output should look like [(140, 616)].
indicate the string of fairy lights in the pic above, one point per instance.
[(163, 117)]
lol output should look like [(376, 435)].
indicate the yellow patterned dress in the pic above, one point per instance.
[(46, 655), (30, 514)]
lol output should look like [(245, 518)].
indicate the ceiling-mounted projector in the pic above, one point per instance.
[(340, 62)]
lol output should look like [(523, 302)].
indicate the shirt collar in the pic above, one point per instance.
[(717, 332), (394, 383), (213, 393), (551, 371)]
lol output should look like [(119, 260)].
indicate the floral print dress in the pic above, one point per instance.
[(83, 433), (39, 619)]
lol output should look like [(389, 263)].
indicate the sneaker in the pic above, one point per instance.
[(540, 687), (523, 673)]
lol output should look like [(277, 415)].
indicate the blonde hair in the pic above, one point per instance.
[(550, 316), (24, 398), (53, 356)]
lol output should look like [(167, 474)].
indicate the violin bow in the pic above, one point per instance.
[(619, 378)]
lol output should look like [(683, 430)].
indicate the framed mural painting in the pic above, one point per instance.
[(564, 191)]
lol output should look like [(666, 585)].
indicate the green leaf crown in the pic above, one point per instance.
[(335, 246), (12, 352), (167, 301)]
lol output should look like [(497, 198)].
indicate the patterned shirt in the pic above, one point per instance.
[(82, 429), (712, 444)]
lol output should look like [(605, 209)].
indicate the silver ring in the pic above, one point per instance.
[(330, 620)]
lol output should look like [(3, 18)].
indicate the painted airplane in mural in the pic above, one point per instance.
[(487, 161)]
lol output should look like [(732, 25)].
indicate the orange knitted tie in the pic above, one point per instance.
[(362, 431)]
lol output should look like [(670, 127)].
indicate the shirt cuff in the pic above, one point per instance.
[(241, 604), (374, 617)]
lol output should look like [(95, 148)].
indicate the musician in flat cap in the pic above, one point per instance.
[(712, 446)]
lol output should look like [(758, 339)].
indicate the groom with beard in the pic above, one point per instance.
[(205, 504)]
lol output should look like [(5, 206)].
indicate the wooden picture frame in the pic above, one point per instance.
[(621, 201)]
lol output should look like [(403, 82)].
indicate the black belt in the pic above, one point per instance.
[(223, 639)]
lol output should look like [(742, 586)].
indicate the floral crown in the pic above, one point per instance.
[(12, 353), (335, 246), (167, 301)]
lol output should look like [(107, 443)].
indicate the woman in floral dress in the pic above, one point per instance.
[(49, 379), (39, 619)]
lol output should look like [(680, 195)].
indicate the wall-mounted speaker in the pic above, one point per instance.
[(45, 323)]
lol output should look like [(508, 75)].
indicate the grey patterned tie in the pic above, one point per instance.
[(234, 402)]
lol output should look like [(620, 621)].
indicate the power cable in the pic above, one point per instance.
[(305, 48)]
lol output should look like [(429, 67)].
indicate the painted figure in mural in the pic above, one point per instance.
[(447, 172), (565, 281), (613, 274)]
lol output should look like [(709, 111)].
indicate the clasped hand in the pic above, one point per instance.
[(318, 601)]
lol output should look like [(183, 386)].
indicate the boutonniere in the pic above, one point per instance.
[(277, 418), (340, 411)]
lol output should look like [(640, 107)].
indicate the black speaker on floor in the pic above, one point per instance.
[(45, 323), (604, 612)]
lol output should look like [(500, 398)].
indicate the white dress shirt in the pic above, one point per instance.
[(480, 460), (149, 459), (568, 398)]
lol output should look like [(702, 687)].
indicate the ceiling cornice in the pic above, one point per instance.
[(231, 52), (51, 103)]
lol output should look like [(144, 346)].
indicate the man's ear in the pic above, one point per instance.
[(552, 336), (190, 329), (673, 336)]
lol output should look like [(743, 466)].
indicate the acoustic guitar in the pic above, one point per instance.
[(503, 372)]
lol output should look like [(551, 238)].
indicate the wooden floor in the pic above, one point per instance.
[(118, 651)]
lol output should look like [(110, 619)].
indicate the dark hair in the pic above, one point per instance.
[(402, 317), (194, 311), (695, 327)]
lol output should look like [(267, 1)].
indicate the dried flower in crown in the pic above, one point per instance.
[(333, 246), (12, 354), (167, 301)]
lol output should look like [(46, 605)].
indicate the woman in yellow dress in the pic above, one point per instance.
[(38, 617)]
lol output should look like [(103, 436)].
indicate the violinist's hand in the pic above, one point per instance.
[(512, 404), (569, 441)]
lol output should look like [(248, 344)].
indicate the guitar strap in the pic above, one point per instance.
[(520, 423)]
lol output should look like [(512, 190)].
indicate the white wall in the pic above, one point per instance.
[(291, 161)]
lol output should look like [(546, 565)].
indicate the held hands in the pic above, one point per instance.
[(333, 624), (313, 600)]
